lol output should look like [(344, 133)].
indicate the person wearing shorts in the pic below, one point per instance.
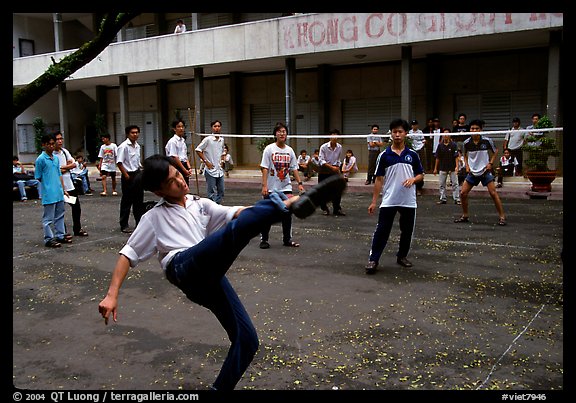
[(479, 155), (107, 163)]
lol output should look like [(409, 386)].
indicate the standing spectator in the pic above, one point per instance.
[(180, 27), (210, 151), (437, 138), (129, 163), (429, 130), (23, 179), (479, 155), (349, 166), (197, 259), (535, 118), (330, 160), (513, 141), (176, 148), (304, 165), (67, 163), (397, 170), (374, 144), (227, 161), (508, 166), (461, 127), (418, 145), (278, 160), (107, 163), (47, 171), (447, 164), (461, 168), (80, 173)]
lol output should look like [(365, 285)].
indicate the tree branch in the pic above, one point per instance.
[(24, 97)]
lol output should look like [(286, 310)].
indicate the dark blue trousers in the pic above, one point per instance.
[(384, 227), (200, 273)]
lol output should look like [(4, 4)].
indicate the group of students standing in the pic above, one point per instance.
[(193, 261)]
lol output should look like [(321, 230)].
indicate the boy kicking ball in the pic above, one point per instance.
[(196, 241)]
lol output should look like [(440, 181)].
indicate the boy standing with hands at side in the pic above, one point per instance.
[(402, 169)]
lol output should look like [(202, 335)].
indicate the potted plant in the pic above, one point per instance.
[(540, 147)]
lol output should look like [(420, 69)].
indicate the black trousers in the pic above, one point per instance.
[(132, 198), (76, 211)]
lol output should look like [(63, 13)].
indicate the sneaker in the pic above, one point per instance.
[(52, 244), (114, 193), (458, 202), (264, 245), (441, 202), (318, 195), (499, 185)]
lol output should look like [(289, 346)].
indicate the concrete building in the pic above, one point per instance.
[(313, 71)]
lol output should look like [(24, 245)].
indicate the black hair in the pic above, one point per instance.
[(128, 129), (176, 121), (47, 137), (477, 122), (399, 122), (106, 135), (278, 126), (156, 170)]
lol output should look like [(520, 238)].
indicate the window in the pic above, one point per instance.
[(26, 47)]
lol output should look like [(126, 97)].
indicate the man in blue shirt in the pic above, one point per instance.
[(47, 171)]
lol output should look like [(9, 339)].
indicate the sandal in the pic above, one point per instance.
[(81, 233), (292, 244), (502, 221), (103, 194), (461, 219)]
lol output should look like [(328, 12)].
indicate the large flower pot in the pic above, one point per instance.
[(541, 181)]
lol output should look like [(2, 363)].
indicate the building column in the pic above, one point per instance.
[(163, 118), (124, 106), (432, 61), (236, 115), (199, 99), (553, 91), (405, 83), (62, 94), (194, 26), (290, 93), (324, 98), (553, 98)]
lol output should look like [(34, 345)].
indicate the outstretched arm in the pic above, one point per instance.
[(109, 304)]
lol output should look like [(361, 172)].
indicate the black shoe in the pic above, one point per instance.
[(52, 244), (402, 261), (371, 267), (441, 202), (264, 245), (126, 230), (339, 212), (318, 195)]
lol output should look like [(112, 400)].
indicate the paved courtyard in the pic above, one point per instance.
[(482, 308)]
